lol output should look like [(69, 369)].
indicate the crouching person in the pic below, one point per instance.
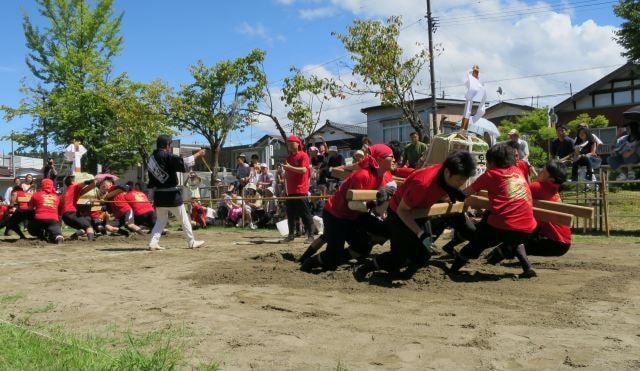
[(410, 243), (341, 224), (510, 222), (46, 221)]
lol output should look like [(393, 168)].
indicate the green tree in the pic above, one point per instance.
[(599, 121), (379, 60), (304, 96), (533, 127), (628, 36), (221, 99), (71, 60)]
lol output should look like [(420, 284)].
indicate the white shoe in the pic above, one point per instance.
[(252, 226), (195, 244), (155, 247), (621, 177)]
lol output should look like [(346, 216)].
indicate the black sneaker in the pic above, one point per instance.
[(529, 273), (360, 273), (289, 238)]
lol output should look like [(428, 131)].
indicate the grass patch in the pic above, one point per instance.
[(37, 347), (42, 309), (602, 239), (10, 299)]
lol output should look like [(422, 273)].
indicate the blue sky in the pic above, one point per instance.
[(510, 40)]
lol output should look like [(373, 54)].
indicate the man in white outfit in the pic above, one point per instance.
[(163, 166)]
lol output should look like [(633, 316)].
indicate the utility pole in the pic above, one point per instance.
[(434, 106)]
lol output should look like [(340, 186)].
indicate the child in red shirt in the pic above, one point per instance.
[(423, 188), (510, 222), (46, 220), (551, 239), (341, 224), (69, 211), (143, 212)]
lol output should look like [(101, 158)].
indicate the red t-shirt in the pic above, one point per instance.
[(338, 206), (404, 172), (119, 206), (4, 212), (420, 190), (69, 199), (524, 167), (511, 205), (548, 191), (19, 193), (298, 184), (46, 206), (139, 202)]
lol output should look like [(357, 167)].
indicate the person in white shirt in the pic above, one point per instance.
[(523, 146), (7, 193)]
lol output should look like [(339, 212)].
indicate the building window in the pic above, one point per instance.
[(636, 95), (396, 131), (622, 97), (584, 103), (621, 84), (602, 100)]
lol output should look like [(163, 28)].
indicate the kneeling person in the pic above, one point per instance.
[(423, 188), (341, 223), (46, 222)]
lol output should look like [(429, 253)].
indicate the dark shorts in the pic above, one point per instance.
[(75, 221)]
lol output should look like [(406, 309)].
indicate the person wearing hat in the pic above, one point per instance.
[(163, 166), (413, 151), (193, 183), (297, 172), (335, 160), (270, 208), (343, 225), (265, 178), (523, 146)]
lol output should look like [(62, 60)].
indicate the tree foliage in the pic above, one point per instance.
[(220, 99), (75, 96), (599, 121), (533, 127), (305, 97), (385, 70), (628, 36)]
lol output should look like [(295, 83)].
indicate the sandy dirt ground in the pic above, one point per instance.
[(247, 306)]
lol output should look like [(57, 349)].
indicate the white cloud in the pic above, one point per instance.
[(317, 13), (285, 2), (508, 41), (259, 31)]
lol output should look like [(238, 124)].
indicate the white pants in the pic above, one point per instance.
[(163, 216)]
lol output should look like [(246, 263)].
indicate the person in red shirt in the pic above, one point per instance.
[(410, 242), (4, 213), (46, 220), (119, 206), (297, 172), (19, 210), (342, 224), (143, 212), (551, 239), (199, 214), (68, 209), (510, 221)]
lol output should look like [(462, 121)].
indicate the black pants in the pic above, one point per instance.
[(147, 220), (18, 217), (582, 161), (75, 221), (299, 209), (487, 236), (545, 247), (46, 229), (338, 231), (405, 246)]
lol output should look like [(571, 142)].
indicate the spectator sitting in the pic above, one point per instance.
[(242, 172), (626, 151), (265, 179), (584, 154), (198, 214), (270, 208), (254, 201), (562, 146)]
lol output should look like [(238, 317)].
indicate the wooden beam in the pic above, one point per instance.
[(361, 194), (439, 208), (575, 210), (541, 215)]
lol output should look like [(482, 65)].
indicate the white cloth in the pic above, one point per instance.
[(161, 222), (7, 196), (70, 154), (475, 91)]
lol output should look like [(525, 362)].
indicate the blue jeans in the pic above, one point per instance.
[(615, 161)]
